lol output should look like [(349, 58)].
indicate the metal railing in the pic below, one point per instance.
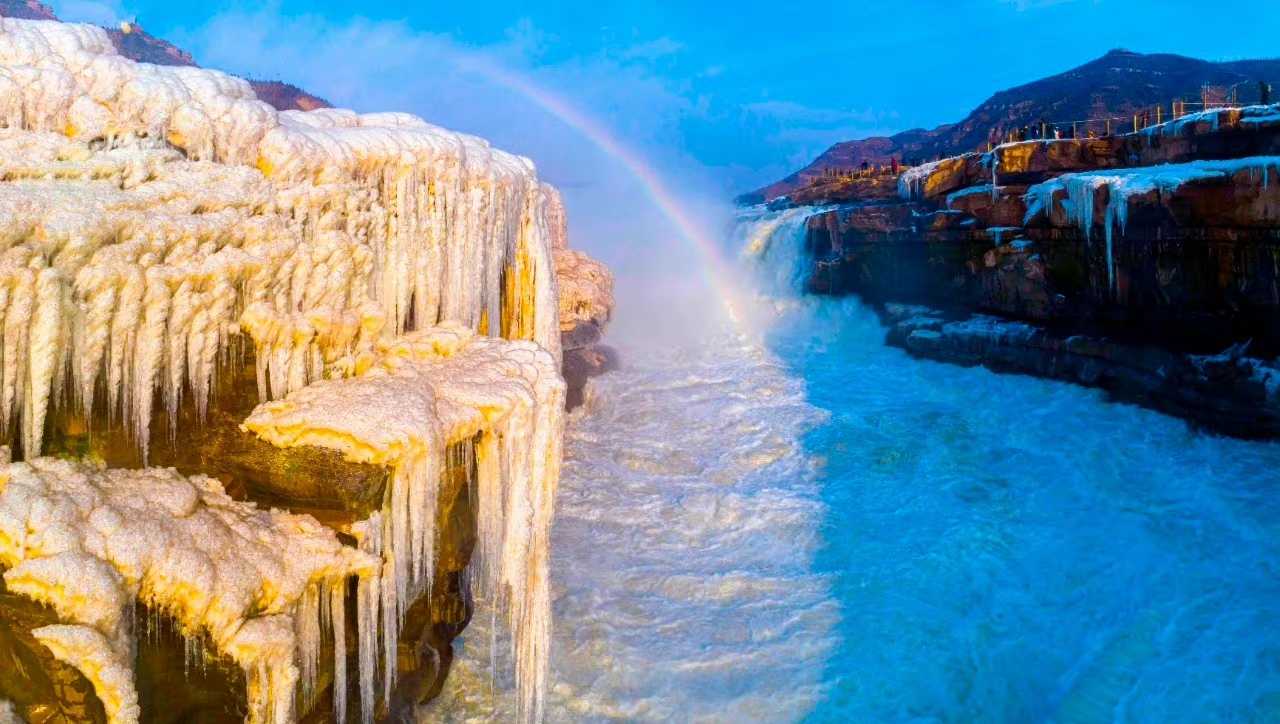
[(1142, 117), (1093, 127)]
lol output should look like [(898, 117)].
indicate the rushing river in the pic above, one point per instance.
[(807, 525)]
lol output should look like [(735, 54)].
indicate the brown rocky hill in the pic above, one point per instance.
[(1116, 85), (286, 96), (133, 42), (25, 10)]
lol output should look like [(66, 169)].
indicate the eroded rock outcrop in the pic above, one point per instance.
[(586, 306)]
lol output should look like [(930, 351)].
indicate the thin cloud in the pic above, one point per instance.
[(652, 50)]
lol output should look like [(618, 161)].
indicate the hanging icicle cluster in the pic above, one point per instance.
[(403, 405), (151, 214), (89, 542), (152, 220)]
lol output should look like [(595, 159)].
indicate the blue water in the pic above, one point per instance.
[(1008, 549), (785, 520)]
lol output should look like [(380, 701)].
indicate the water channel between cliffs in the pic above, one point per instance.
[(816, 527)]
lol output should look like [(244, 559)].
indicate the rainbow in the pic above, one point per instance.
[(663, 199)]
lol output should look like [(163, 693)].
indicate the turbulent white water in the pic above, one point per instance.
[(682, 547), (686, 528), (943, 544)]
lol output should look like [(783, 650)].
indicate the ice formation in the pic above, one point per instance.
[(402, 405), (89, 542), (151, 214), (1247, 116), (911, 184), (586, 285), (1080, 191), (398, 284)]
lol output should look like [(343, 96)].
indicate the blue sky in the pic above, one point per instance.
[(746, 90), (720, 97)]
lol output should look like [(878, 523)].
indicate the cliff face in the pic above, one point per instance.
[(1115, 85), (353, 384), (1135, 259)]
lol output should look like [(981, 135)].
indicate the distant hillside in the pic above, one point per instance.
[(286, 96), (139, 45), (133, 42), (1115, 85), (25, 10)]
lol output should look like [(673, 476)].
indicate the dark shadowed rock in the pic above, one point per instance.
[(580, 366), (1229, 392)]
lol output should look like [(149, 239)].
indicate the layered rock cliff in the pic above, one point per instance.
[(339, 333), (1128, 262)]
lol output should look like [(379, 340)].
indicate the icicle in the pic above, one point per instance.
[(369, 593), (261, 609), (308, 630), (509, 392), (45, 358), (1111, 268), (338, 617), (373, 247), (995, 176)]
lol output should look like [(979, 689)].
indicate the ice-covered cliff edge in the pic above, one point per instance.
[(396, 284)]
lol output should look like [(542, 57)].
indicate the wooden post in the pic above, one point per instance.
[(1108, 126), (1158, 115), (1135, 123), (1075, 133)]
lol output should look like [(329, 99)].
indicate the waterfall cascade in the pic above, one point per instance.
[(154, 221), (774, 244)]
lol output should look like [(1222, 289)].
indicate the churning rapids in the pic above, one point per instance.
[(817, 527)]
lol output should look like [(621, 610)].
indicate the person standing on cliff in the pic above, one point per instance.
[(1264, 90)]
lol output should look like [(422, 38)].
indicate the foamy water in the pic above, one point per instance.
[(683, 550), (820, 528)]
